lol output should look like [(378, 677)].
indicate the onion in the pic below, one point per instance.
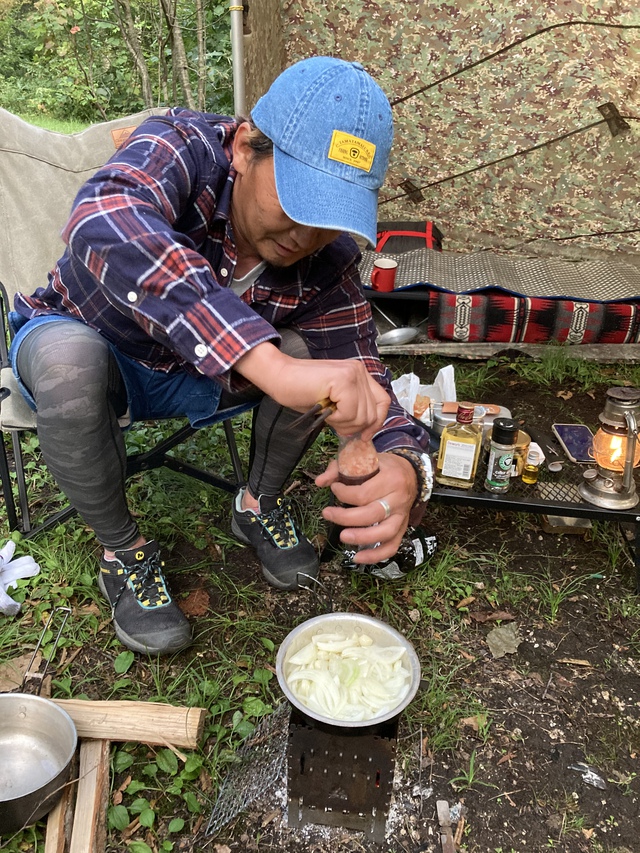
[(347, 677)]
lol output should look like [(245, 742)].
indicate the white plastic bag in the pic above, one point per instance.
[(10, 571), (412, 394)]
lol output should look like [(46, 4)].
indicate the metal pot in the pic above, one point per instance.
[(347, 623), (398, 336), (37, 743)]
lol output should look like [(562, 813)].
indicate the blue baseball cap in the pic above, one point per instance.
[(331, 128)]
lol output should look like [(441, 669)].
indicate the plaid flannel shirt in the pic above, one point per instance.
[(151, 255)]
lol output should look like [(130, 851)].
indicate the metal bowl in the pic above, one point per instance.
[(347, 623), (37, 743), (397, 337)]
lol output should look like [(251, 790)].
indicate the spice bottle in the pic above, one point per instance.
[(357, 463), (460, 445), (504, 437), (357, 460), (531, 468)]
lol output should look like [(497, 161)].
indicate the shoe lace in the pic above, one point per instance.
[(278, 525), (147, 582)]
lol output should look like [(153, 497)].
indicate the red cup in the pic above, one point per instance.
[(383, 274)]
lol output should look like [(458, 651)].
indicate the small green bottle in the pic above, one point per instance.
[(504, 437)]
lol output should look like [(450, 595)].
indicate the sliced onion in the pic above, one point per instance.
[(348, 677)]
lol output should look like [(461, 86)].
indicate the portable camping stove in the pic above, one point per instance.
[(340, 776)]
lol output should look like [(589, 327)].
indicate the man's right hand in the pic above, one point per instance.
[(299, 383)]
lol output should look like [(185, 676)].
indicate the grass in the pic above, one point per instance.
[(57, 125), (230, 669), (468, 777)]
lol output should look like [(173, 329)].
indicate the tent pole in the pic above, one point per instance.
[(237, 57)]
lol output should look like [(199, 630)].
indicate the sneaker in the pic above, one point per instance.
[(415, 549), (289, 560), (145, 617)]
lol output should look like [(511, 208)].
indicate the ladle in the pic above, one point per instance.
[(399, 334)]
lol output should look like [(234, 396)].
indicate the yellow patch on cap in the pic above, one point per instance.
[(349, 149)]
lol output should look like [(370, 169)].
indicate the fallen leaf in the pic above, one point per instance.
[(478, 616), (494, 616), (89, 609), (588, 832), (466, 601), (565, 395), (466, 655), (13, 671), (197, 603), (500, 616), (474, 722), (122, 788), (507, 757), (504, 640), (221, 848)]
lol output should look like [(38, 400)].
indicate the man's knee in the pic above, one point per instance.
[(66, 367)]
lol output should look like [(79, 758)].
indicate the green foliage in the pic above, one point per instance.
[(71, 61)]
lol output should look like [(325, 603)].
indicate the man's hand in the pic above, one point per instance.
[(364, 517), (299, 383)]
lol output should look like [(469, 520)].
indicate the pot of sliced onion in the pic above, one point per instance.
[(348, 670)]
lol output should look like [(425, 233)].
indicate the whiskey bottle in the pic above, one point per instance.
[(460, 446)]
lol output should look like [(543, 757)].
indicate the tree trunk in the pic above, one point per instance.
[(179, 53), (202, 54), (126, 23)]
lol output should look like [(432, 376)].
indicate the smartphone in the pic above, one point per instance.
[(576, 441)]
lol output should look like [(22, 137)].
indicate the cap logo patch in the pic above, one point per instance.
[(351, 150)]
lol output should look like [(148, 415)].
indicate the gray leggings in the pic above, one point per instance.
[(79, 393)]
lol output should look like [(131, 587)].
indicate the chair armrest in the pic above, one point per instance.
[(14, 411)]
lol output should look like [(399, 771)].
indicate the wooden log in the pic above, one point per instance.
[(59, 822), (89, 833), (145, 722), (602, 353)]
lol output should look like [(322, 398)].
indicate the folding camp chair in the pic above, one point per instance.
[(40, 174)]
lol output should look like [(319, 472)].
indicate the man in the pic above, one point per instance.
[(207, 266)]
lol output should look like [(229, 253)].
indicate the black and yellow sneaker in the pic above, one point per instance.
[(145, 617), (289, 560)]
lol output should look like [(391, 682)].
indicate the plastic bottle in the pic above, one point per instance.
[(504, 437)]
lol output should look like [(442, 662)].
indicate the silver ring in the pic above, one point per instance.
[(385, 506)]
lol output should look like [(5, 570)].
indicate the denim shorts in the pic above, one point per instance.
[(151, 394)]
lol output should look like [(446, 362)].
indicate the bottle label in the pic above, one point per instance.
[(458, 459), (499, 467), (415, 548)]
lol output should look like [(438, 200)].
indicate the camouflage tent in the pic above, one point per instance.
[(499, 135)]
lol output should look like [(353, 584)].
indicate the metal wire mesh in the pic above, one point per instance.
[(257, 765)]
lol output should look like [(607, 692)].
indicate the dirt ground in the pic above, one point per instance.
[(554, 760), (559, 767)]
